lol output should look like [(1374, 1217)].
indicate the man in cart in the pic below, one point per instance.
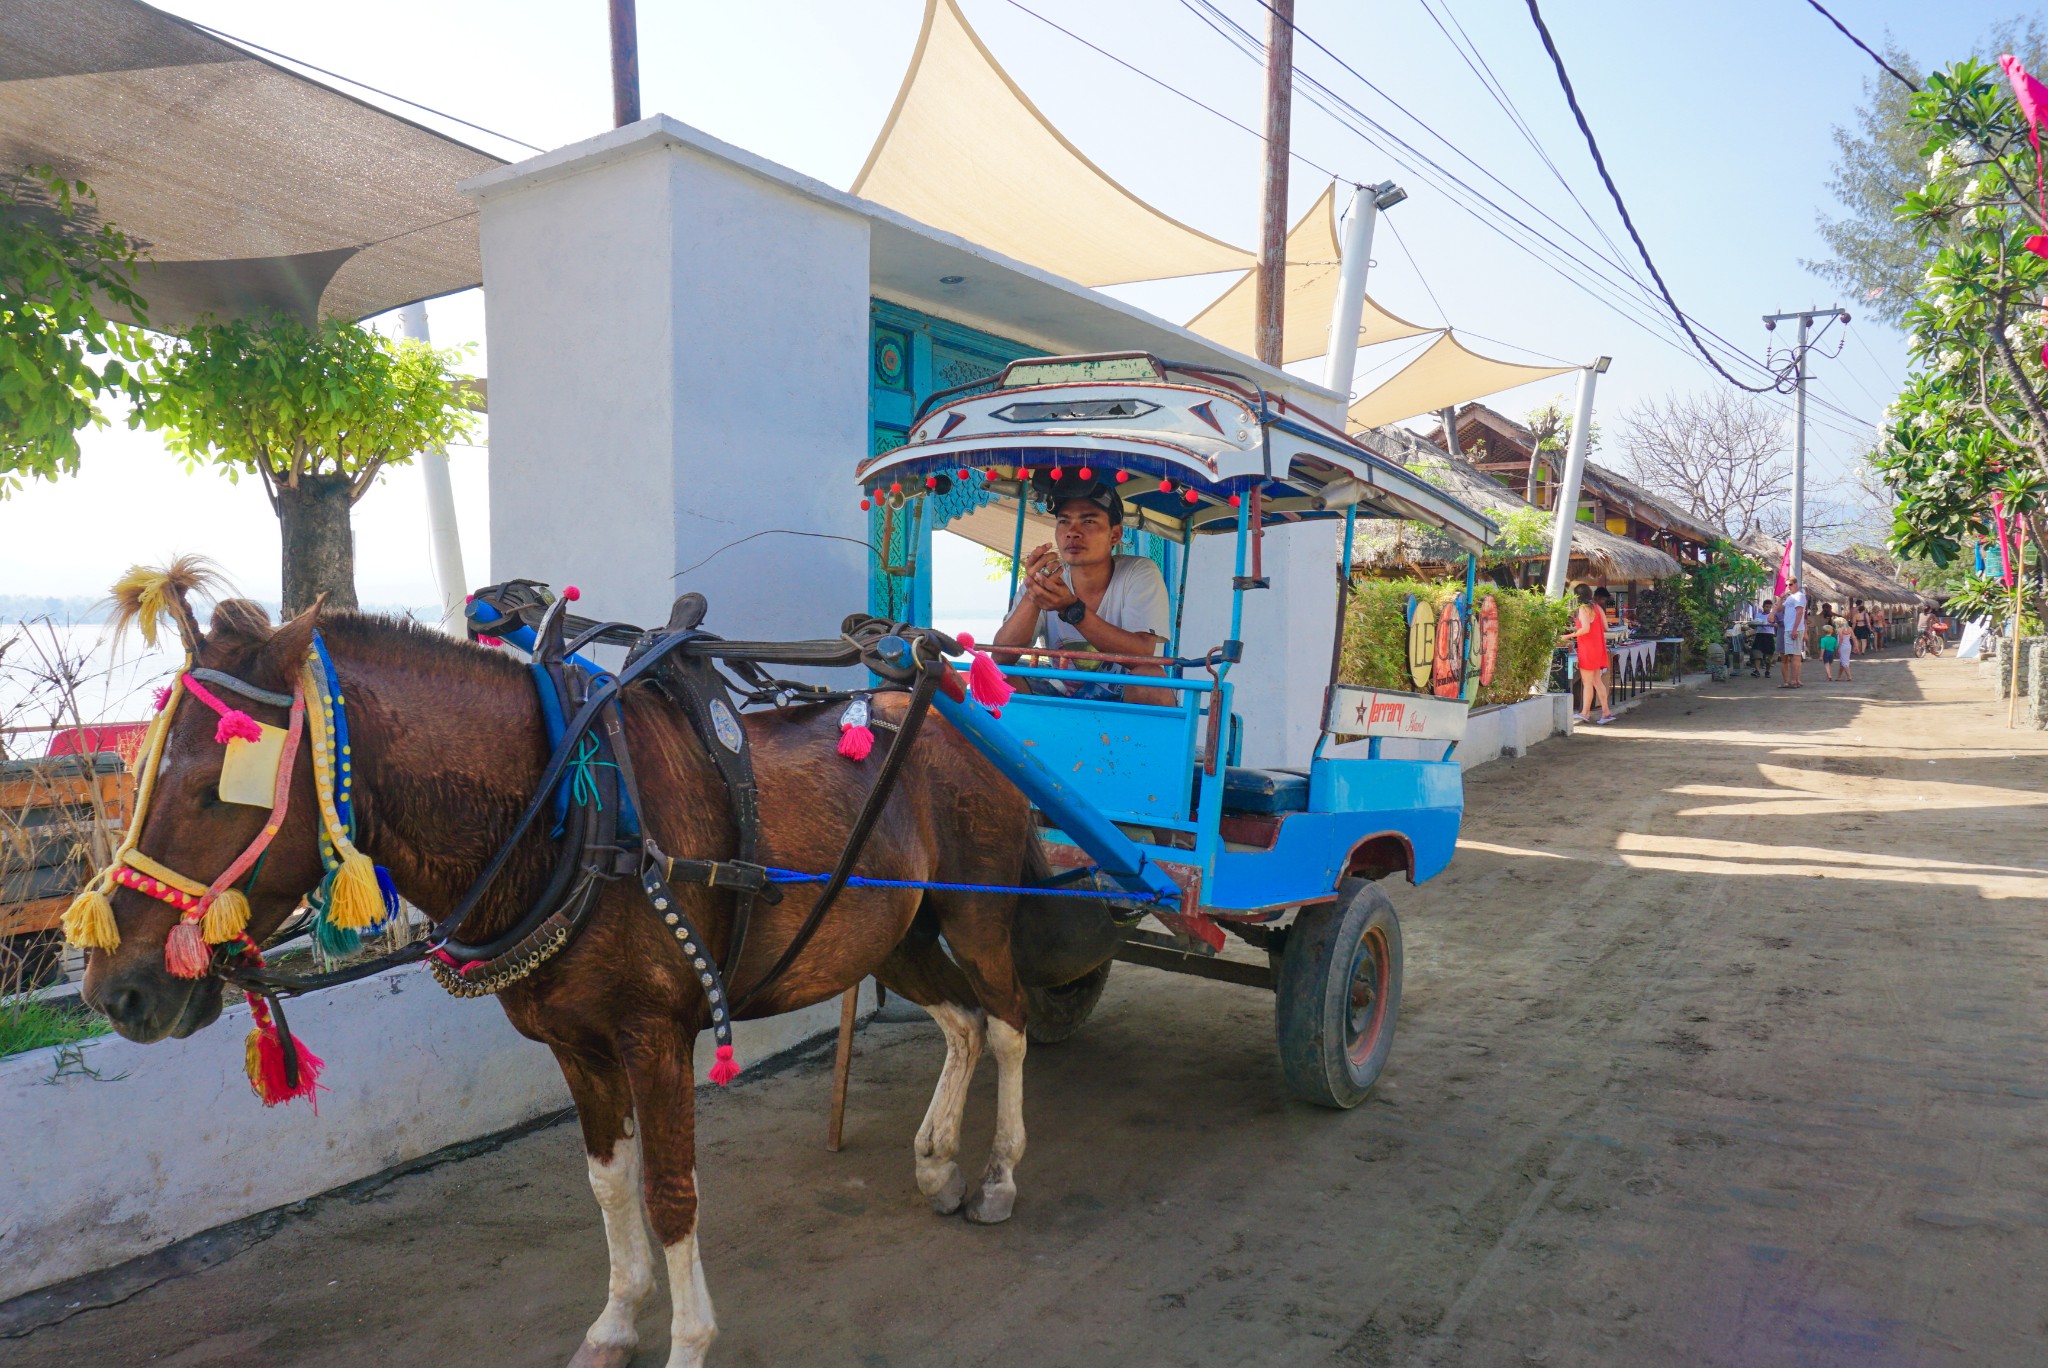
[(1077, 594)]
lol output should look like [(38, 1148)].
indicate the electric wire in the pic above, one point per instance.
[(1621, 206), (362, 85), (1907, 81), (1168, 86)]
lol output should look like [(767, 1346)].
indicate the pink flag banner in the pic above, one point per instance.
[(1784, 571)]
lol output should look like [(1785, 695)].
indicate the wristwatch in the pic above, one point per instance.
[(1073, 613)]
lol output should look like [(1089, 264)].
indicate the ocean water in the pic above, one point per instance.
[(58, 674)]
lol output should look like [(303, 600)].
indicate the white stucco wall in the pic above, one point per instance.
[(678, 362), (168, 1140)]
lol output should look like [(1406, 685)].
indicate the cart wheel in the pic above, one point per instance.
[(1053, 1014), (1339, 991)]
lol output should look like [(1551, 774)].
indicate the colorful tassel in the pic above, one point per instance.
[(387, 888), (856, 742), (227, 916), (725, 1068), (236, 725), (263, 1059), (89, 921), (985, 678), (185, 952), (355, 902), (163, 696), (334, 942)]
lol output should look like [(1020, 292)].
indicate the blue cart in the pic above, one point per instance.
[(1147, 798)]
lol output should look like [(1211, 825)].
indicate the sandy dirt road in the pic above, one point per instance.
[(1723, 1043)]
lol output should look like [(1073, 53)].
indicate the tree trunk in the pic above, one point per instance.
[(319, 544)]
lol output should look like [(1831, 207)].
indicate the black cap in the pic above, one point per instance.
[(1052, 493)]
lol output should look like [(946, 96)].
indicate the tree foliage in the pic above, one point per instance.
[(1719, 456), (1970, 429), (60, 355), (286, 402), (1878, 162)]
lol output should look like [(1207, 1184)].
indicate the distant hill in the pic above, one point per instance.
[(87, 610)]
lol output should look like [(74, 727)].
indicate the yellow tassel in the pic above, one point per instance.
[(226, 916), (252, 1061), (356, 903), (89, 921)]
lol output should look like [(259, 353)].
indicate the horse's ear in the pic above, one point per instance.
[(284, 654), (238, 625)]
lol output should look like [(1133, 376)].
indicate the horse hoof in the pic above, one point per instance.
[(590, 1355), (992, 1205), (946, 1198)]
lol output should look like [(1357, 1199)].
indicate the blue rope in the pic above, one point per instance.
[(792, 876)]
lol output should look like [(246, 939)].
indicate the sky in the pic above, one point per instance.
[(1716, 121)]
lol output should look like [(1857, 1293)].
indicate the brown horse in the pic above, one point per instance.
[(448, 744)]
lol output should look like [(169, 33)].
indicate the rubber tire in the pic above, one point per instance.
[(1053, 1014), (1321, 1061)]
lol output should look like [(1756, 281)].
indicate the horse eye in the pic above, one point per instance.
[(210, 796)]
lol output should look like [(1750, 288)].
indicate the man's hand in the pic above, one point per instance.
[(1042, 581)]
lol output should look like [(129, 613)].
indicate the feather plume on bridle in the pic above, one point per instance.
[(145, 596)]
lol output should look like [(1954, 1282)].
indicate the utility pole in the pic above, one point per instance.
[(1574, 475), (625, 64), (1771, 322), (1366, 203), (1270, 296)]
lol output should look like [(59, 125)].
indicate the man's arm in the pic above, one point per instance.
[(1020, 628)]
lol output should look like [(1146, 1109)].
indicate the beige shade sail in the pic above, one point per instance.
[(250, 188), (1313, 266), (966, 151), (1446, 373)]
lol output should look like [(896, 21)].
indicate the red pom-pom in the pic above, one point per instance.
[(895, 487), (1122, 475), (1190, 495), (1235, 501), (966, 475), (856, 743), (1166, 486), (931, 482), (490, 641), (571, 593), (1086, 473), (866, 504), (163, 697), (725, 1069), (1058, 474), (236, 725), (185, 952), (264, 1061), (1024, 472)]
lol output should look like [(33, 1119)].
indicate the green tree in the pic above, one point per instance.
[(1878, 162), (60, 355), (316, 414)]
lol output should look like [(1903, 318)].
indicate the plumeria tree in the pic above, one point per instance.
[(316, 414), (1966, 442), (61, 356)]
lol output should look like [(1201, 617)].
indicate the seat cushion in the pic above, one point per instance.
[(1264, 790)]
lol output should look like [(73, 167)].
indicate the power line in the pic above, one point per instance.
[(1168, 86), (361, 85), (1907, 81), (1621, 207)]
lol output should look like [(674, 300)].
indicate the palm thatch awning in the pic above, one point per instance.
[(1381, 545), (1832, 578)]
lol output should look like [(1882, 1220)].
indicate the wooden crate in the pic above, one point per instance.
[(49, 811)]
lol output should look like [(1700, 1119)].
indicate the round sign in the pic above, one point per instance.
[(1447, 678), (1489, 638)]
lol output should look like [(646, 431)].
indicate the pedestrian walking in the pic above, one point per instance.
[(1834, 631), (1763, 639), (1589, 636), (1861, 622), (1792, 634)]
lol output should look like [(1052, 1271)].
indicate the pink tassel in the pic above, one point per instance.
[(985, 678), (726, 1069), (236, 725), (185, 952), (163, 697), (856, 742)]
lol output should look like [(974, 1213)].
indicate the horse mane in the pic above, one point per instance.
[(143, 597), (388, 639)]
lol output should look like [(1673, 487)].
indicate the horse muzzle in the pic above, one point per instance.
[(146, 1005)]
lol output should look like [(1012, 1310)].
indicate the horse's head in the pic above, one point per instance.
[(187, 828)]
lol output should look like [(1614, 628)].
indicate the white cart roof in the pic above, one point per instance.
[(1187, 444)]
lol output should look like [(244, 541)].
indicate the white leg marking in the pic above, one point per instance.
[(619, 1196), (998, 1194), (938, 1139), (691, 1328)]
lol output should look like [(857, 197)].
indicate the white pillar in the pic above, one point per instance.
[(1799, 451), (1574, 474), (443, 536), (1350, 306)]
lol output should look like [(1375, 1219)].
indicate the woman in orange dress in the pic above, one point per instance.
[(1589, 635)]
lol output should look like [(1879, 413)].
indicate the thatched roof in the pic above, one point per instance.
[(1832, 578), (1609, 486), (1387, 545)]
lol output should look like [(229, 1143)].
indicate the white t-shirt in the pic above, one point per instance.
[(1135, 601), (1794, 617)]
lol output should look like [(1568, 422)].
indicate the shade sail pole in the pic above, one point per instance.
[(1574, 475), (444, 538), (1270, 304), (1356, 254)]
